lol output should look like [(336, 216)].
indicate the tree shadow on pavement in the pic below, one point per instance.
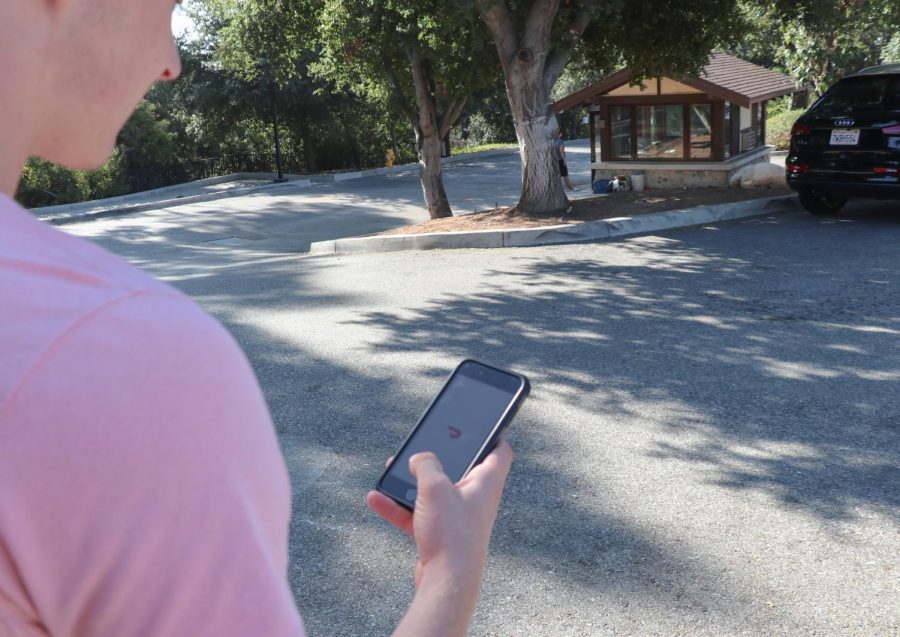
[(760, 370), (786, 377), (352, 573)]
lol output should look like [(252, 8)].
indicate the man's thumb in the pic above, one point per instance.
[(427, 469)]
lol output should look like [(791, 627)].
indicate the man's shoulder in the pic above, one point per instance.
[(46, 256), (54, 286)]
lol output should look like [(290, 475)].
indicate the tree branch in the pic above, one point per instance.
[(424, 98), (499, 22), (557, 61), (454, 110), (397, 89), (539, 25)]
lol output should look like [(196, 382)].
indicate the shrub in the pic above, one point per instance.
[(44, 183), (108, 181), (778, 128)]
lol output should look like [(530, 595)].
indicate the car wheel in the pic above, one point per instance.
[(820, 204)]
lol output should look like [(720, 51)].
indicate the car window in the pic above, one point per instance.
[(860, 93)]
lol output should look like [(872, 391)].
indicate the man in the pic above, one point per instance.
[(559, 149), (142, 490)]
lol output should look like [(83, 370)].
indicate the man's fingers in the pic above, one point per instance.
[(495, 467), (389, 461), (390, 511), (500, 459)]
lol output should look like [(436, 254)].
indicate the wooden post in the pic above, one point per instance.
[(718, 130)]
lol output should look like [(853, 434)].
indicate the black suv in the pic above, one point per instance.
[(848, 143)]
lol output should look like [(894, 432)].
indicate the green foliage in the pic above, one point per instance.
[(110, 180), (480, 131), (253, 52), (367, 47), (656, 37), (819, 41), (259, 40), (778, 106), (465, 150), (579, 73), (890, 52), (778, 127), (44, 183), (147, 137), (487, 118)]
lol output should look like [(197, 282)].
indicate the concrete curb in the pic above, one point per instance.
[(546, 235), (59, 218)]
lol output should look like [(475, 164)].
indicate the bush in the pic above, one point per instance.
[(483, 130), (778, 106), (44, 183), (108, 181), (464, 150), (778, 128)]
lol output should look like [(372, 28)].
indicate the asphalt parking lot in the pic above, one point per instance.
[(711, 446)]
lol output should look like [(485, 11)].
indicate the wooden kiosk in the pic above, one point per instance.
[(692, 132)]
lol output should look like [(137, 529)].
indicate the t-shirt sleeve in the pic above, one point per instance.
[(142, 489)]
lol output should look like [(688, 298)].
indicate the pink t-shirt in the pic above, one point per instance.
[(142, 489)]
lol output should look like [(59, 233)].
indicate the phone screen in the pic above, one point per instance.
[(458, 424)]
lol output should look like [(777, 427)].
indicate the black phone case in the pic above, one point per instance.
[(492, 441)]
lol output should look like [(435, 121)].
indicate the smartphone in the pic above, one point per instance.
[(461, 426)]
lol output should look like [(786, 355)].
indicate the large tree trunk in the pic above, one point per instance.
[(536, 130), (531, 65)]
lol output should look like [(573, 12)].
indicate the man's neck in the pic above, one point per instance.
[(20, 103), (10, 171), (16, 131)]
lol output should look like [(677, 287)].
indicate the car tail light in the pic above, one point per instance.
[(800, 129), (884, 170), (799, 168), (891, 130)]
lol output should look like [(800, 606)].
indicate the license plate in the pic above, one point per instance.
[(845, 137)]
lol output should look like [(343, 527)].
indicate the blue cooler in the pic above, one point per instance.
[(601, 186)]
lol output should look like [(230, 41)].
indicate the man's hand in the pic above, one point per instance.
[(452, 526)]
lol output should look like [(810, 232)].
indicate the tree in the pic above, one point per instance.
[(260, 43), (425, 58), (147, 144), (890, 51), (819, 41), (536, 39), (243, 46)]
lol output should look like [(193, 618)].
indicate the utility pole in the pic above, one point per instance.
[(278, 164)]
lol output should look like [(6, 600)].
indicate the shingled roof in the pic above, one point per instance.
[(724, 76)]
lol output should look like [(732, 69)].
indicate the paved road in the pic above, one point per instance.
[(252, 226), (711, 447)]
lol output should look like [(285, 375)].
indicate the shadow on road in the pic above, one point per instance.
[(776, 374), (337, 423), (800, 344)]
